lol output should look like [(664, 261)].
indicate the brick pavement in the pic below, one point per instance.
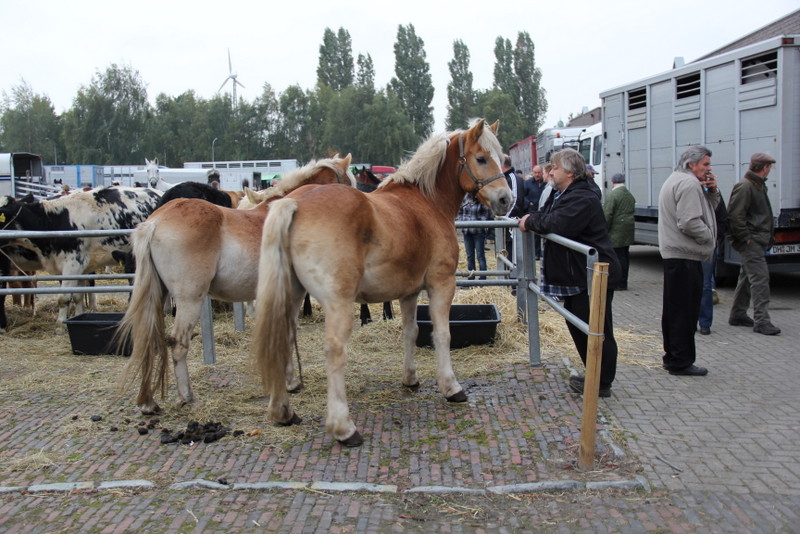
[(733, 436)]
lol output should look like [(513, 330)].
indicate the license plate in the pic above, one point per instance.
[(785, 249)]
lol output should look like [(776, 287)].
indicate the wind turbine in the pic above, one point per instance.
[(234, 82)]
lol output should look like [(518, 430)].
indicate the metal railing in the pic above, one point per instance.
[(520, 272)]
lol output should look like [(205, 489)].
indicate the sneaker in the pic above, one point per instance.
[(768, 329), (741, 321), (576, 385), (705, 330)]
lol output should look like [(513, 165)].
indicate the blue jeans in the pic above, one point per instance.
[(475, 243), (707, 299)]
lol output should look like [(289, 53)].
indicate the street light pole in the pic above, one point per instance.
[(213, 159)]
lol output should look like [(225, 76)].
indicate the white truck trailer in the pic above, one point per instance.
[(22, 173), (736, 104)]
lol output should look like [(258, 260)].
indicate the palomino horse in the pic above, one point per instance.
[(367, 182), (154, 180), (344, 246), (190, 248)]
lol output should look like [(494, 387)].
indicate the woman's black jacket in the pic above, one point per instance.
[(577, 215)]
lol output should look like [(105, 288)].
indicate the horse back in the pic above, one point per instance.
[(390, 241)]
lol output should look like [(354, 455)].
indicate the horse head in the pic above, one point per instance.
[(480, 170), (152, 172)]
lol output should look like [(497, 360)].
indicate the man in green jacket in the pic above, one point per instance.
[(750, 226), (618, 209)]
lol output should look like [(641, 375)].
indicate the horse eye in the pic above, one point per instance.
[(481, 160)]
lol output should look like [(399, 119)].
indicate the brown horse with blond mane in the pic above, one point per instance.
[(189, 249), (345, 246)]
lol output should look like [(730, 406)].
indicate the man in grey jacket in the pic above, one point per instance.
[(750, 221), (687, 233)]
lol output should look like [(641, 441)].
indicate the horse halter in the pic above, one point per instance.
[(480, 184)]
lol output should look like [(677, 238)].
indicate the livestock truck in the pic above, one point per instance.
[(736, 104), (22, 173), (523, 155)]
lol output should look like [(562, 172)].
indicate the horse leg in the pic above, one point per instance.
[(408, 313), (388, 314), (366, 317), (338, 326), (440, 302), (294, 382), (188, 313)]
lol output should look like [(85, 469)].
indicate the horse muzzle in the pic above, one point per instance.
[(500, 199)]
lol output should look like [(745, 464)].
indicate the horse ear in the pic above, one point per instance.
[(495, 127), (348, 158), (342, 165), (251, 196), (477, 129)]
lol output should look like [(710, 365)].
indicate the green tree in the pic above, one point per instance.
[(386, 136), (293, 137), (107, 122), (412, 83), (335, 68), (28, 123), (365, 77), (532, 101), (495, 104), (504, 76), (460, 94), (178, 131)]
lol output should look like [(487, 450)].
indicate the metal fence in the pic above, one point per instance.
[(519, 271)]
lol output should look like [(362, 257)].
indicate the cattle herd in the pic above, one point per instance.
[(102, 208)]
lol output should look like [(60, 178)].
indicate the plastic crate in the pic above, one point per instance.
[(93, 333), (470, 324)]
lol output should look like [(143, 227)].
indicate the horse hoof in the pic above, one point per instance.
[(458, 397), (155, 410), (295, 420), (415, 385), (354, 440), (296, 389)]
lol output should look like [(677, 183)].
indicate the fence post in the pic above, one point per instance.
[(238, 316), (531, 317), (207, 328), (594, 357)]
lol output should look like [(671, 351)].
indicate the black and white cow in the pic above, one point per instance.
[(105, 208), (14, 260)]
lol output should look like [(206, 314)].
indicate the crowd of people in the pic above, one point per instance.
[(561, 197)]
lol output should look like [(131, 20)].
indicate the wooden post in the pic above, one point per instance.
[(594, 356)]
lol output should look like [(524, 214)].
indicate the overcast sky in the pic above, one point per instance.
[(583, 47)]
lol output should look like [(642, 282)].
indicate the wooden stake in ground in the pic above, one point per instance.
[(594, 356)]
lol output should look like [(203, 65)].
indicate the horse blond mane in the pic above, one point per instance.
[(424, 164), (296, 177)]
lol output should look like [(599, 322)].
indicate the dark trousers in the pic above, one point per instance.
[(579, 306), (683, 289), (623, 254)]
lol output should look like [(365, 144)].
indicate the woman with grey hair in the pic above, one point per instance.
[(687, 233), (574, 211)]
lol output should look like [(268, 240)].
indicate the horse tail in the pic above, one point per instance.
[(274, 325), (143, 323)]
